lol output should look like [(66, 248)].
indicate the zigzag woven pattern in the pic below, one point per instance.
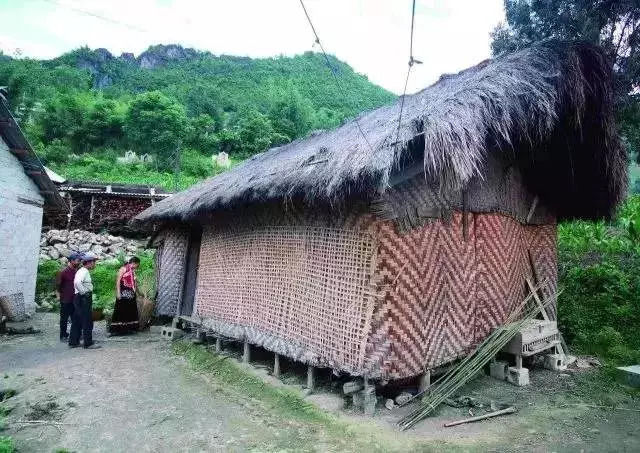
[(442, 293)]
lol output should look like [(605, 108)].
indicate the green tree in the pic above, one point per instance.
[(63, 118), (104, 124), (229, 141), (201, 134), (291, 114), (255, 132), (614, 25), (156, 124)]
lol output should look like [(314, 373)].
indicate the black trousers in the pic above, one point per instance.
[(82, 321), (66, 313)]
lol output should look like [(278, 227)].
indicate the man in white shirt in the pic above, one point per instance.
[(82, 321)]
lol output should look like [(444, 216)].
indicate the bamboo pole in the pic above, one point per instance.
[(473, 363), (508, 410)]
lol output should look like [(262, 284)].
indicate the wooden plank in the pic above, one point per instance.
[(536, 297)]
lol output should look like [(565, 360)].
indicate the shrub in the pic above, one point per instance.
[(599, 275), (6, 445)]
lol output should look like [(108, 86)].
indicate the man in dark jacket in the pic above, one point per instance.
[(64, 290)]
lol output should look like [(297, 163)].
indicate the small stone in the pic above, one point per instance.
[(85, 247), (390, 404), (62, 249), (403, 398), (54, 254)]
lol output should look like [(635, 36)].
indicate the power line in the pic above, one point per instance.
[(97, 16), (412, 61), (333, 70)]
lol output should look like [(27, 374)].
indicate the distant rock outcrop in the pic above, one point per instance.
[(160, 55)]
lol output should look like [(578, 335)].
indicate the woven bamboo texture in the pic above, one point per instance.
[(411, 202), (170, 268), (305, 291), (443, 293)]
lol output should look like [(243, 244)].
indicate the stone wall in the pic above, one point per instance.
[(20, 223), (58, 244)]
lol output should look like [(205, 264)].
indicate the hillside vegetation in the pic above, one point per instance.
[(87, 107)]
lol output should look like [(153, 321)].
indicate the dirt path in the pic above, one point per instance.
[(131, 395), (135, 394)]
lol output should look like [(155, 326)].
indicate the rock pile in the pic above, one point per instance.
[(59, 244)]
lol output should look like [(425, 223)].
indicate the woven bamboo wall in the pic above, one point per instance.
[(170, 262), (443, 293), (301, 288)]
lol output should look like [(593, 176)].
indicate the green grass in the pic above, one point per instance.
[(304, 424), (6, 445), (288, 403)]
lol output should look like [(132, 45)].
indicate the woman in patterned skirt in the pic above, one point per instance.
[(125, 313)]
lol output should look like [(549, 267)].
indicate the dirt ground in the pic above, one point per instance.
[(136, 394)]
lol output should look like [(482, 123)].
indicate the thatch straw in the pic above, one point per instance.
[(547, 109)]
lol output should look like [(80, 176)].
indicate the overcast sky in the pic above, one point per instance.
[(371, 35)]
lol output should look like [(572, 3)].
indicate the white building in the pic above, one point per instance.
[(25, 188)]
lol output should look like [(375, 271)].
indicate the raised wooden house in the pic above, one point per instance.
[(384, 248)]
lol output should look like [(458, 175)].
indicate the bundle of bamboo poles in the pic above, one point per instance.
[(451, 382)]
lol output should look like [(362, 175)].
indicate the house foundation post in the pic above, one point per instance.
[(425, 381), (246, 356), (218, 344), (276, 365), (311, 377)]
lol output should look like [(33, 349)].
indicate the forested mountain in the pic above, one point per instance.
[(85, 108)]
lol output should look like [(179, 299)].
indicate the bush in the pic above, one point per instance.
[(55, 152), (599, 275), (45, 281), (6, 445)]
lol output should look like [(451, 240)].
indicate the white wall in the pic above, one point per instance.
[(20, 225)]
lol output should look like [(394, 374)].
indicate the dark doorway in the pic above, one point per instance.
[(191, 272)]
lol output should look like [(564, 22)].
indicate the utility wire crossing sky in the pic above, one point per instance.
[(370, 35)]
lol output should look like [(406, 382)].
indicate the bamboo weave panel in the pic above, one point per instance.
[(443, 294), (170, 263), (310, 285)]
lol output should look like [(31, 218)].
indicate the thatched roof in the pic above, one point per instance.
[(547, 108)]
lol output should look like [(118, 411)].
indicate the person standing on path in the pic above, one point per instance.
[(125, 313), (83, 301), (66, 293)]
